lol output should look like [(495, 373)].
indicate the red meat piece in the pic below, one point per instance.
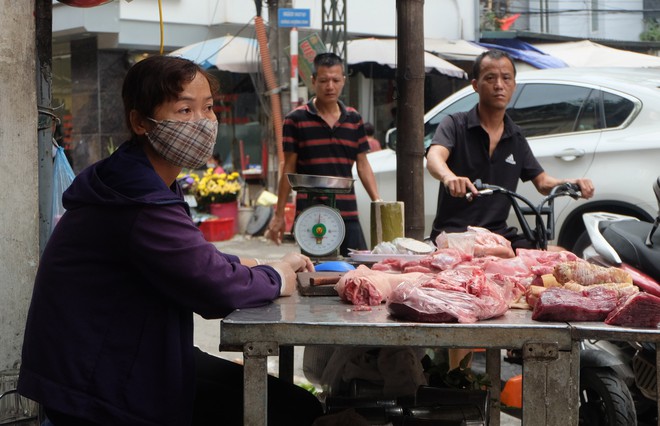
[(560, 304), (638, 310)]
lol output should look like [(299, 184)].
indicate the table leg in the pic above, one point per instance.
[(255, 382), (550, 385), (657, 377), (494, 370), (286, 363)]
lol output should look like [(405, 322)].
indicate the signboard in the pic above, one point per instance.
[(308, 48), (293, 18)]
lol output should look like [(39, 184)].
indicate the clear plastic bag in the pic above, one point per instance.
[(62, 177)]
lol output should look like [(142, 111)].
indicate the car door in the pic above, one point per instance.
[(563, 124)]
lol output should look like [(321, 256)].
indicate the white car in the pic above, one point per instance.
[(603, 124)]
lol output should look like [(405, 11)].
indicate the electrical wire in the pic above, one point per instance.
[(160, 17)]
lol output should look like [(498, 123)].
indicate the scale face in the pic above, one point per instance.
[(319, 230)]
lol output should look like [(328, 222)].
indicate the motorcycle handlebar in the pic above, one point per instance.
[(566, 188)]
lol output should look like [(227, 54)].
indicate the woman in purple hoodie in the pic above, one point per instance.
[(109, 335)]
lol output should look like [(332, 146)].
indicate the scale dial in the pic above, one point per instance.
[(319, 230)]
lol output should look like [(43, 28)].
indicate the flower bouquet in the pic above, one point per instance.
[(217, 188)]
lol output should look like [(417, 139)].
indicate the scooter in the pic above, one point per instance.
[(605, 397), (633, 245)]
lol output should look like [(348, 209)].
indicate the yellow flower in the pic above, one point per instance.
[(217, 187)]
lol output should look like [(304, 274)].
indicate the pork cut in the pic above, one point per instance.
[(364, 286), (560, 304), (638, 310), (542, 262), (477, 242), (428, 303)]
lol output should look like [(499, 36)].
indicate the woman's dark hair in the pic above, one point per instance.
[(158, 79), (328, 59), (492, 54)]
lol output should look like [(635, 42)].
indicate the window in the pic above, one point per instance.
[(617, 109), (464, 104), (590, 118), (547, 109)]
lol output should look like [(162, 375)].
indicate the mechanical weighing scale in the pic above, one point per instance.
[(319, 230)]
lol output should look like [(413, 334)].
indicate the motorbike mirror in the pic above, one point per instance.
[(390, 138)]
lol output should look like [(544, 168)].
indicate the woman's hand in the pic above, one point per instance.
[(299, 262), (288, 266)]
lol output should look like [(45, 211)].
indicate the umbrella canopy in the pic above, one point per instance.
[(384, 52), (589, 54), (229, 53)]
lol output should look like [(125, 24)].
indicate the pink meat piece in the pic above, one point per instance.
[(385, 267), (461, 241), (511, 288), (638, 310), (513, 267), (460, 279), (431, 304), (541, 260), (477, 242), (560, 304), (477, 262), (388, 264), (447, 258), (490, 244), (364, 286), (417, 268)]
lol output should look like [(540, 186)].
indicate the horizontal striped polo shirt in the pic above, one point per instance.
[(325, 151)]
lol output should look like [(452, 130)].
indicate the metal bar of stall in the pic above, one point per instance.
[(255, 378), (286, 363), (657, 378), (299, 321), (494, 370), (602, 331)]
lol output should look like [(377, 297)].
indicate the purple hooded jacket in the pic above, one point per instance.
[(109, 334)]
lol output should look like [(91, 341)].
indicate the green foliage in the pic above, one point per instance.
[(652, 32), (490, 22)]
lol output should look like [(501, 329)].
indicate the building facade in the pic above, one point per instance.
[(93, 48)]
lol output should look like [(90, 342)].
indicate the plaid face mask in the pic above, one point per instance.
[(184, 143)]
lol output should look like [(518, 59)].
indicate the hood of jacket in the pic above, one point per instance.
[(108, 183)]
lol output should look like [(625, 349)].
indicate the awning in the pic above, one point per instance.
[(383, 52), (527, 53), (589, 54), (228, 53)]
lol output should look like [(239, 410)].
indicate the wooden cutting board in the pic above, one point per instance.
[(305, 287)]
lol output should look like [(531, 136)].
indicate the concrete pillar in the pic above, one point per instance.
[(19, 174)]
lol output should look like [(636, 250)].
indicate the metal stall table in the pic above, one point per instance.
[(550, 368), (602, 331)]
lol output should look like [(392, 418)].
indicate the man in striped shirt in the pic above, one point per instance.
[(325, 137)]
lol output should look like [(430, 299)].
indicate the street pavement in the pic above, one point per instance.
[(207, 332)]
